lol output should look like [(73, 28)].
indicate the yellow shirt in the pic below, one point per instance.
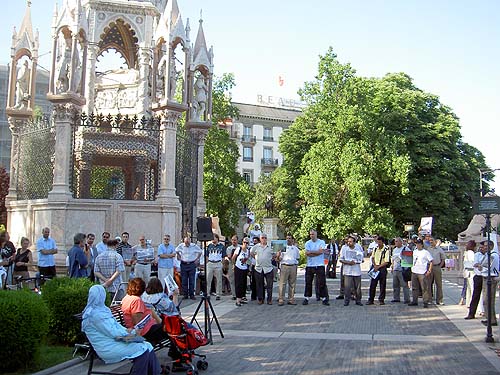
[(380, 257)]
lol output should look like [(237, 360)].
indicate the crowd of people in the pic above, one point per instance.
[(250, 266)]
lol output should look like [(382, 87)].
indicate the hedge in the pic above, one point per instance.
[(66, 297), (25, 322)]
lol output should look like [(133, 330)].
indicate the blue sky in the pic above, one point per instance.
[(450, 48)]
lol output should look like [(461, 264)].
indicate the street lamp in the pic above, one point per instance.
[(481, 172)]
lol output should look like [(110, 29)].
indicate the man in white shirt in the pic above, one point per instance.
[(315, 250), (373, 245), (397, 273), (351, 257), (421, 271), (189, 254), (144, 255), (289, 260), (46, 247), (480, 261), (264, 269), (494, 267)]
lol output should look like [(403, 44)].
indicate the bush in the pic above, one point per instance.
[(303, 258), (66, 297), (25, 322)]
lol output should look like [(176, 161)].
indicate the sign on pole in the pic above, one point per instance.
[(486, 205)]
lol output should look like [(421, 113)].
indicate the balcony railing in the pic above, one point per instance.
[(268, 138), (269, 162), (247, 158), (248, 138)]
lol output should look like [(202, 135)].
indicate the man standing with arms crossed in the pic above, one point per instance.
[(315, 250)]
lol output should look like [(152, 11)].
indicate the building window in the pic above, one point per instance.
[(247, 130), (268, 134), (247, 154), (268, 153), (248, 176)]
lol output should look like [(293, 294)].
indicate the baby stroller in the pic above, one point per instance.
[(186, 339)]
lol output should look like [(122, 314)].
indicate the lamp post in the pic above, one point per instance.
[(489, 333)]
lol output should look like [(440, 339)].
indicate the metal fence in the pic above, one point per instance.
[(34, 159)]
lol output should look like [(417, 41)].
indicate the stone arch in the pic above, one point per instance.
[(122, 37)]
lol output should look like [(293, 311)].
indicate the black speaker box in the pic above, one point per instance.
[(204, 228)]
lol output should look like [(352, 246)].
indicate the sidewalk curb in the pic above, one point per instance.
[(59, 367)]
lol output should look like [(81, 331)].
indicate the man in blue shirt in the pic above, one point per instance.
[(166, 255), (315, 250), (46, 248), (78, 259)]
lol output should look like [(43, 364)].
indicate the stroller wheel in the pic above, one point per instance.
[(165, 370), (202, 365), (192, 372)]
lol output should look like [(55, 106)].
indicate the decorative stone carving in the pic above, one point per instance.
[(200, 99), (63, 72), (22, 86)]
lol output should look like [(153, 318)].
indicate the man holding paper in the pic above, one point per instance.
[(351, 257), (380, 260)]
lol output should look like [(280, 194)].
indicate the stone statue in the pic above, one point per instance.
[(200, 98), (173, 79), (22, 86), (63, 73), (161, 77), (77, 76), (269, 205)]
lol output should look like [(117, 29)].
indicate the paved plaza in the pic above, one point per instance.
[(316, 339)]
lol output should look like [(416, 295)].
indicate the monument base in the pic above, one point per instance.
[(270, 227), (66, 218)]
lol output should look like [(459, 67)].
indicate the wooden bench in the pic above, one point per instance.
[(117, 313)]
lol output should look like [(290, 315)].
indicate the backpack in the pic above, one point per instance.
[(390, 255)]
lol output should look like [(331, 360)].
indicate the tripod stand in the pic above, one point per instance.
[(207, 305)]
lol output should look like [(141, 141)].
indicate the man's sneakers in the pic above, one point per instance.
[(469, 317), (359, 303), (305, 302), (340, 297), (369, 303), (413, 304), (395, 301), (325, 302)]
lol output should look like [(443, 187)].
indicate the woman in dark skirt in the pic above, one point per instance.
[(240, 259)]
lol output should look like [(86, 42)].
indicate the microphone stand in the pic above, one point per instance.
[(207, 304)]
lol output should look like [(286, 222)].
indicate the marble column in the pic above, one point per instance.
[(143, 90), (64, 115), (89, 80), (169, 120)]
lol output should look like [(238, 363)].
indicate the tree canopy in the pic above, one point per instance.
[(371, 154), (224, 189)]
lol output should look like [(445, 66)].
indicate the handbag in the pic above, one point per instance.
[(406, 274)]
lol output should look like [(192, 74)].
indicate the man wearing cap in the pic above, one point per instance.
[(438, 257), (421, 270)]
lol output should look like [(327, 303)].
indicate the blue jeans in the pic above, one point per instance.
[(188, 272)]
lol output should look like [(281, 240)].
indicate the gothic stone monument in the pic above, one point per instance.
[(114, 155)]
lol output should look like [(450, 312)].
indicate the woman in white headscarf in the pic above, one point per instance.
[(113, 342)]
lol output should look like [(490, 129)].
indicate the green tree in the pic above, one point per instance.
[(224, 189), (369, 154)]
